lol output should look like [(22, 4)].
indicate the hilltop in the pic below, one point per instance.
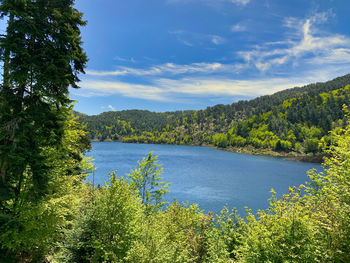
[(289, 122)]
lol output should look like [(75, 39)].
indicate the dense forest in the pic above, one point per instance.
[(292, 120), (48, 213)]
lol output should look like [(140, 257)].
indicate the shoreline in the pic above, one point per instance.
[(287, 156)]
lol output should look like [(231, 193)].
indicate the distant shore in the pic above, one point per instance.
[(288, 156), (306, 159)]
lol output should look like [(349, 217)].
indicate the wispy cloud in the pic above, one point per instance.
[(238, 28), (225, 87), (317, 55), (117, 58), (167, 68), (170, 89), (111, 107), (193, 38), (166, 89), (304, 41), (101, 88), (211, 2), (337, 56), (183, 37), (217, 40), (240, 2)]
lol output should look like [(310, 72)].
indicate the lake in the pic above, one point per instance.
[(209, 177)]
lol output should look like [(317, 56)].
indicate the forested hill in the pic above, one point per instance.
[(290, 120)]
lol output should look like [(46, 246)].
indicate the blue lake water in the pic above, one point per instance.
[(209, 177)]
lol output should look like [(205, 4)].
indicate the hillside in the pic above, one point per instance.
[(290, 120)]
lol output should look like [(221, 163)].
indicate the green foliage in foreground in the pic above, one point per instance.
[(116, 227), (113, 223), (313, 227), (309, 224), (146, 179), (30, 225), (122, 221)]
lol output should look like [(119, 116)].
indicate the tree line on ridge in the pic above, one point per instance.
[(293, 120)]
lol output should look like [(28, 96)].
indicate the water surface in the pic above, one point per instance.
[(210, 177)]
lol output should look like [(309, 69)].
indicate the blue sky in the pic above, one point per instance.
[(165, 55)]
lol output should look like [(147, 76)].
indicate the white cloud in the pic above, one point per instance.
[(337, 56), (238, 28), (240, 2), (193, 38), (312, 54), (225, 87), (111, 107), (217, 40), (106, 73), (165, 89), (168, 68), (94, 88), (183, 37), (186, 43), (211, 2), (305, 41), (117, 58)]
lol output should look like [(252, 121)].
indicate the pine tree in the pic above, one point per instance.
[(42, 57)]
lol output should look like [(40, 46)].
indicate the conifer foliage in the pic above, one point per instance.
[(42, 56)]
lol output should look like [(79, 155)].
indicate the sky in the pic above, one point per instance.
[(166, 55)]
